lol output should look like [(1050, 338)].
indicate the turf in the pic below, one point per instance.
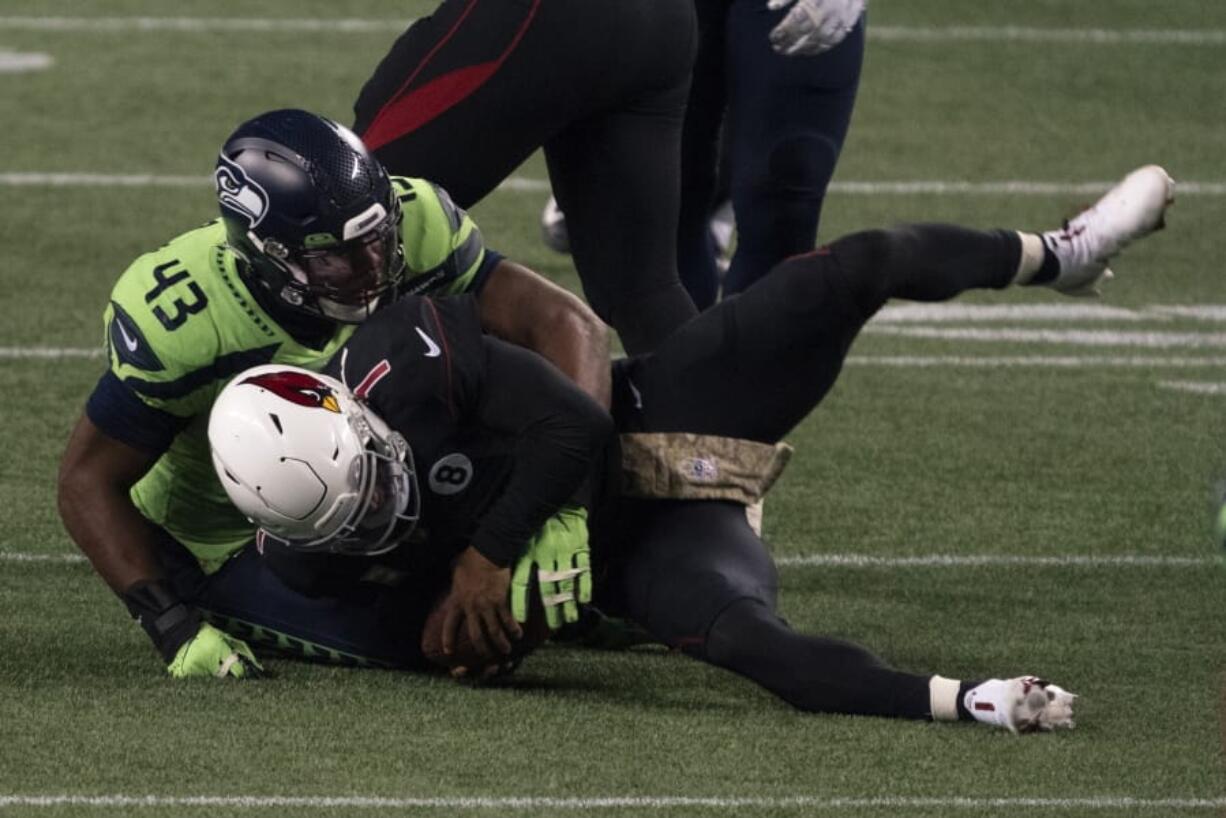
[(1029, 461)]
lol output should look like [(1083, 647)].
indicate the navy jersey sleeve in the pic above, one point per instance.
[(119, 413)]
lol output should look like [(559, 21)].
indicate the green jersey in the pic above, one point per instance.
[(182, 322)]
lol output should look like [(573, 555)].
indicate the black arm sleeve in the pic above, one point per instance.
[(560, 432)]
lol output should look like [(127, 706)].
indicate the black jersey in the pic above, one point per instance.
[(499, 438)]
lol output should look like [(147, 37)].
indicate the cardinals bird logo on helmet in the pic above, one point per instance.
[(297, 387)]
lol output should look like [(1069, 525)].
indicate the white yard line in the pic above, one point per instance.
[(954, 312), (1199, 312), (521, 184), (1092, 338), (37, 179), (19, 556), (38, 353), (1195, 387), (15, 62), (995, 560), (1025, 34), (884, 33), (1014, 187), (19, 353), (875, 560), (1011, 187), (200, 25), (1035, 361), (528, 803), (63, 179)]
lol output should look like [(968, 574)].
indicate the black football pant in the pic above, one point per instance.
[(784, 120), (693, 573), (468, 93)]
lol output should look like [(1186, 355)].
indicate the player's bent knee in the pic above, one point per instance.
[(731, 638), (869, 262)]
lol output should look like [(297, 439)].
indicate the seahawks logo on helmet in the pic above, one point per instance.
[(238, 193)]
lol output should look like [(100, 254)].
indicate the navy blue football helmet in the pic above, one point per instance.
[(312, 214)]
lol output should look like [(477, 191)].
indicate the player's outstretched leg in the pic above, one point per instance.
[(697, 578), (824, 675), (756, 365)]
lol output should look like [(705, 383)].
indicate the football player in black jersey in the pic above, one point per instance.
[(452, 461), (469, 92)]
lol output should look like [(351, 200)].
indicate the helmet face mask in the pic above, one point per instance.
[(312, 213), (312, 465), (388, 503), (344, 281), (348, 279)]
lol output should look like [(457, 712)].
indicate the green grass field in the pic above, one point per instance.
[(1089, 437)]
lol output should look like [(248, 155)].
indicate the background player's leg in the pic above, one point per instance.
[(757, 364), (615, 176), (787, 119), (700, 157), (459, 98), (698, 579), (468, 93)]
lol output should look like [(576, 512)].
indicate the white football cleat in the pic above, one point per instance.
[(1026, 704), (1128, 211), (553, 227)]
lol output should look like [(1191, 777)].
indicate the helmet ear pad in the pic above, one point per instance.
[(291, 183)]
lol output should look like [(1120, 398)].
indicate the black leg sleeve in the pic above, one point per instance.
[(616, 177), (813, 673), (696, 577), (923, 262), (701, 148), (756, 364), (781, 170)]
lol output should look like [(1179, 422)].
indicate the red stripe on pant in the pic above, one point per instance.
[(409, 110)]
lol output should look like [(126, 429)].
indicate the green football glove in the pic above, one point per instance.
[(560, 558), (214, 653)]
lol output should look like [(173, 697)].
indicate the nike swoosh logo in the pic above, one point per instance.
[(432, 349), (638, 396), (128, 341)]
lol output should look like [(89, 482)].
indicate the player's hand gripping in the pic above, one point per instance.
[(478, 601), (813, 26), (560, 558), (214, 653)]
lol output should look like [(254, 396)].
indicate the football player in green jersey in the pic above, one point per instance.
[(313, 237)]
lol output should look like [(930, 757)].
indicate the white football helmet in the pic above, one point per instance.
[(304, 459)]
